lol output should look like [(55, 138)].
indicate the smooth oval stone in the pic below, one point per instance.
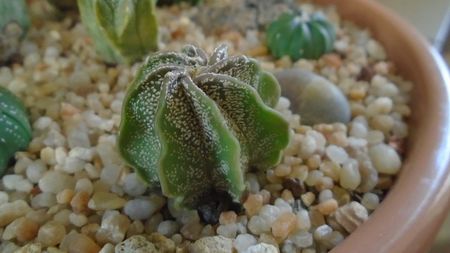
[(316, 99)]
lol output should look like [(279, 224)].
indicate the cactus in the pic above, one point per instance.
[(15, 130), (194, 124), (123, 30), (300, 36), (14, 23)]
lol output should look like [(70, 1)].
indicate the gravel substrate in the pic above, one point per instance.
[(71, 192)]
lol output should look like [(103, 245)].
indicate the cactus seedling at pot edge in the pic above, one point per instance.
[(15, 130), (300, 36), (123, 31), (195, 124), (14, 23)]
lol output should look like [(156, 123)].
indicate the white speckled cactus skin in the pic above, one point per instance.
[(194, 124)]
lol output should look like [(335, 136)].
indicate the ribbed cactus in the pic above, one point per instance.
[(15, 130), (195, 124), (123, 31), (14, 23), (301, 35)]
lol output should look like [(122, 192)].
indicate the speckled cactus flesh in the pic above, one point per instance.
[(15, 130), (122, 30), (195, 124)]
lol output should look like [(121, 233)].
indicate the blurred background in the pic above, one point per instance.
[(432, 19)]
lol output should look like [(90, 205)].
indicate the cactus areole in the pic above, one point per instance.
[(194, 125)]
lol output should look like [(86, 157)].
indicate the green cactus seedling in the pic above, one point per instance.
[(300, 36), (123, 31), (14, 23), (15, 130), (194, 125)]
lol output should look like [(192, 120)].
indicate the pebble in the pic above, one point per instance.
[(351, 215), (228, 230), (385, 159), (136, 244), (284, 225), (243, 242), (262, 248), (44, 199), (13, 210), (113, 228), (78, 220), (30, 248), (78, 243), (327, 207), (51, 234), (105, 201), (258, 225), (229, 217), (138, 209), (168, 227), (316, 99), (55, 181), (253, 204), (349, 176), (36, 171), (302, 239), (79, 202), (212, 244), (336, 154), (370, 201), (133, 185)]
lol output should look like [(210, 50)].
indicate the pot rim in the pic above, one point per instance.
[(409, 217)]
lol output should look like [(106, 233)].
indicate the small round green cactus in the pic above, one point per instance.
[(194, 125), (300, 36), (14, 23), (123, 30), (15, 130)]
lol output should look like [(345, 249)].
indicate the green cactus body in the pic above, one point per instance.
[(300, 37), (194, 124), (14, 23), (15, 130), (123, 30)]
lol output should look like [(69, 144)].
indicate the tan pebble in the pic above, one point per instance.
[(30, 248), (78, 243), (229, 217), (162, 243), (284, 62), (272, 177), (65, 196), (232, 36), (351, 216), (357, 109), (317, 218), (257, 51), (192, 230), (308, 198), (26, 230), (13, 210), (284, 225), (135, 228), (327, 207), (300, 172), (384, 182), (341, 195), (79, 202), (283, 170), (357, 93), (105, 201), (384, 123), (51, 233), (266, 196), (287, 196), (314, 161), (338, 139), (47, 155), (253, 204), (68, 110), (269, 239), (330, 169), (332, 60), (90, 229), (324, 183)]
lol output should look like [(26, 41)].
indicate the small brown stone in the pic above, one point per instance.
[(332, 60), (296, 187), (80, 201), (253, 203), (366, 74)]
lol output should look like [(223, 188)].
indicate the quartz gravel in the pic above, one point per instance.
[(71, 192)]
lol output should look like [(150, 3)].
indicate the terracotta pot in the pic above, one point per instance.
[(410, 216)]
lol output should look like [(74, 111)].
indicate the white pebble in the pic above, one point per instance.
[(243, 242), (228, 230), (168, 228), (133, 185), (302, 239), (85, 185), (370, 201), (262, 248), (4, 198), (36, 171), (385, 159), (349, 176), (358, 130), (258, 225), (11, 181), (78, 220), (336, 154), (55, 181), (44, 199), (304, 221), (138, 209)]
